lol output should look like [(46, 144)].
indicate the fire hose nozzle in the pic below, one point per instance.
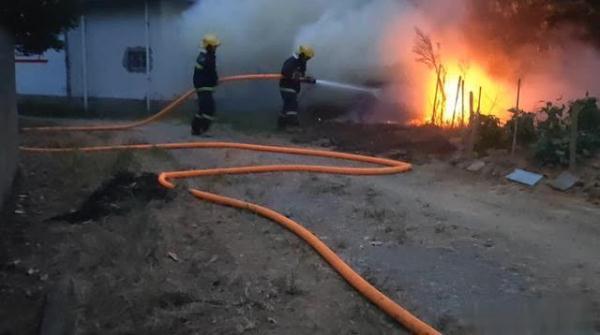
[(309, 80)]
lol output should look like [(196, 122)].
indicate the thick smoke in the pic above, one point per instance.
[(363, 41), (554, 64), (260, 34)]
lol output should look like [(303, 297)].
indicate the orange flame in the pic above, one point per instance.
[(496, 97), (415, 83)]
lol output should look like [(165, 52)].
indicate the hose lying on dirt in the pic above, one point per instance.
[(164, 112), (387, 167)]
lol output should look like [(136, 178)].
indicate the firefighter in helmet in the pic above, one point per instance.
[(293, 74), (205, 81)]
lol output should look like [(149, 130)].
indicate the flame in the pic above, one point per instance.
[(415, 83), (496, 95)]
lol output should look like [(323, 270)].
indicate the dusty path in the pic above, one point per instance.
[(467, 255), (468, 250)]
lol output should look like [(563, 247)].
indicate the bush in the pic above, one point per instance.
[(526, 133), (589, 116), (490, 134), (588, 125), (552, 146)]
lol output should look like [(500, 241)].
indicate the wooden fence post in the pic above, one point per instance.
[(516, 123), (575, 109), (472, 127), (456, 101)]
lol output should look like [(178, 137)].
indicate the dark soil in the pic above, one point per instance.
[(461, 252), (117, 195), (381, 139)]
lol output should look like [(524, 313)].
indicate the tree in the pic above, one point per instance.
[(37, 24), (582, 13), (533, 22)]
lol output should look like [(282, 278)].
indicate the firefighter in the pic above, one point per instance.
[(293, 74), (205, 81)]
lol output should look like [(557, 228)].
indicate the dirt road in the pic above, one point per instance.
[(466, 254)]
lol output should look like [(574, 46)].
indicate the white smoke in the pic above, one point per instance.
[(259, 35), (372, 40), (348, 38)]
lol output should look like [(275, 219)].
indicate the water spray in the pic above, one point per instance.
[(376, 92)]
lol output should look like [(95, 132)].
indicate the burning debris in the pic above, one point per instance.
[(117, 196)]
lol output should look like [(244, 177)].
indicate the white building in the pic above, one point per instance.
[(105, 57), (102, 68)]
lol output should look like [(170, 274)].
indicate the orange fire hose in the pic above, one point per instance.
[(166, 179), (165, 111)]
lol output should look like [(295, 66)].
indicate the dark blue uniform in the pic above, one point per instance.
[(294, 68), (205, 81)]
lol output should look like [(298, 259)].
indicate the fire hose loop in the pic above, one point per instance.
[(164, 112), (166, 179)]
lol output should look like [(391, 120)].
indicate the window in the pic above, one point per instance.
[(135, 60)]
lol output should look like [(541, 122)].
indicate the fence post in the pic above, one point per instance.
[(472, 127), (516, 120), (575, 109)]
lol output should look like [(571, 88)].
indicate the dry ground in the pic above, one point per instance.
[(467, 254)]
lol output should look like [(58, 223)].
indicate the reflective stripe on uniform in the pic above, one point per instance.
[(291, 113), (199, 66), (205, 89), (208, 117), (288, 90)]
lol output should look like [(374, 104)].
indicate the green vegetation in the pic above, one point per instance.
[(547, 132), (490, 134)]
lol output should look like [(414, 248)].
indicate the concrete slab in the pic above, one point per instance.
[(564, 182), (525, 177)]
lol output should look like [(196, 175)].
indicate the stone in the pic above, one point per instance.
[(476, 166)]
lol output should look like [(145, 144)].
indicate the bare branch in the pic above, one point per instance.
[(424, 50)]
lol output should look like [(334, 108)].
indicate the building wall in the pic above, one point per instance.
[(172, 74), (8, 116), (107, 36), (109, 33), (43, 78)]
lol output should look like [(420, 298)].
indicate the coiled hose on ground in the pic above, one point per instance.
[(166, 179)]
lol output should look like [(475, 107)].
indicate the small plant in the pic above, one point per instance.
[(552, 146), (589, 116), (526, 132), (553, 125), (588, 140), (490, 134)]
